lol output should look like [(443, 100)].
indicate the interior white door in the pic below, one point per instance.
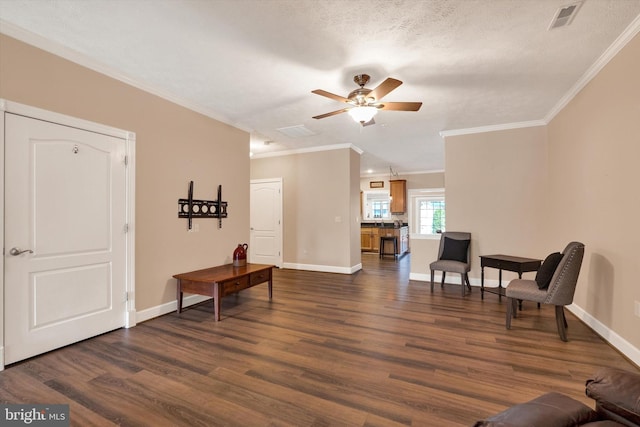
[(265, 245), (65, 235)]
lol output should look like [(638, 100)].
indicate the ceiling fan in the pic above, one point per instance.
[(365, 103)]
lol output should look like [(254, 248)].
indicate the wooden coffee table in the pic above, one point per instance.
[(218, 282)]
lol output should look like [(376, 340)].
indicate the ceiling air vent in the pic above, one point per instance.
[(565, 15), (296, 131)]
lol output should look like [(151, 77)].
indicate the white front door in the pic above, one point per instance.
[(265, 246), (65, 241)]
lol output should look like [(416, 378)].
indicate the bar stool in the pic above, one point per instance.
[(383, 241)]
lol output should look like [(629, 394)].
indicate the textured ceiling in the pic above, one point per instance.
[(254, 63)]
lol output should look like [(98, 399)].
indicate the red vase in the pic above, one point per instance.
[(240, 255)]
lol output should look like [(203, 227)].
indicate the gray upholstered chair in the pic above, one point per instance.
[(453, 257), (559, 293)]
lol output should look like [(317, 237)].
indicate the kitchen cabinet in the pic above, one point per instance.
[(369, 239), (398, 193)]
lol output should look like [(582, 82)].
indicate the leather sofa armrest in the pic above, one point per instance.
[(617, 394), (549, 410)]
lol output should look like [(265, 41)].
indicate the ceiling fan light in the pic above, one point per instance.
[(363, 114)]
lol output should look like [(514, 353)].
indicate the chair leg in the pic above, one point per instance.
[(432, 274), (561, 322), (466, 278), (462, 283), (509, 313), (444, 274), (514, 306)]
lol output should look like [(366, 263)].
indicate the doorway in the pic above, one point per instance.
[(67, 272), (265, 246)]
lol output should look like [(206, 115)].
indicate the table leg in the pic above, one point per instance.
[(482, 283), (520, 301), (179, 296), (500, 284), (216, 301)]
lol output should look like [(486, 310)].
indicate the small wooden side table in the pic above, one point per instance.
[(218, 282), (505, 262)]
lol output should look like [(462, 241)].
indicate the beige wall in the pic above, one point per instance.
[(531, 191), (174, 145), (496, 190), (594, 150), (424, 180), (495, 186), (319, 229)]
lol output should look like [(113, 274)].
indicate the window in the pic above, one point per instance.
[(377, 205), (380, 208), (427, 211)]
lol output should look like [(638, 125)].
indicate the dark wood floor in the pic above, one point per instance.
[(370, 349)]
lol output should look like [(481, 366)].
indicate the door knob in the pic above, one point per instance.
[(17, 251)]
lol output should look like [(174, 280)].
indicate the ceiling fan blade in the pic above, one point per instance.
[(384, 88), (333, 113), (330, 95), (370, 122), (401, 106)]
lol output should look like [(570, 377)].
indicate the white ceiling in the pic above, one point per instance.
[(254, 63)]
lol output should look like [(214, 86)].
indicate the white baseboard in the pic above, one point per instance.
[(169, 307), (454, 279), (324, 268), (619, 343), (130, 320)]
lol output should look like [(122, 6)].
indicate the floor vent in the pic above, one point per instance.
[(565, 15)]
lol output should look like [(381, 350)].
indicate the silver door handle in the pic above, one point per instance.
[(17, 251)]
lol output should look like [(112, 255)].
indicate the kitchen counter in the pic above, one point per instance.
[(370, 234), (378, 225)]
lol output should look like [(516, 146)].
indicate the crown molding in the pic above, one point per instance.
[(83, 60), (492, 128), (423, 172), (400, 174), (627, 35), (308, 150)]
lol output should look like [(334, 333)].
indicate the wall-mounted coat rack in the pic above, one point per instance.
[(190, 208)]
